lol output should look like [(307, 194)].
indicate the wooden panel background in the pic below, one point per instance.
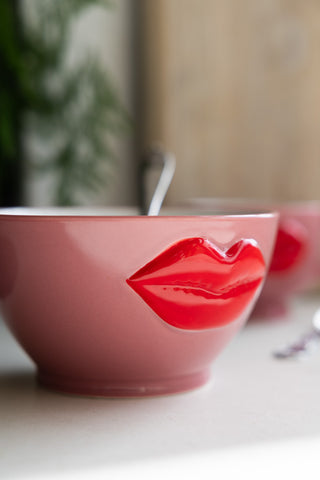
[(233, 89)]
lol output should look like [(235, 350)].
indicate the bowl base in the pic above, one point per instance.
[(145, 388)]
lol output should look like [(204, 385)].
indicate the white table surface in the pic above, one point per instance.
[(258, 416)]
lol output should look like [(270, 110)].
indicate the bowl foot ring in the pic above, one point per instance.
[(111, 389)]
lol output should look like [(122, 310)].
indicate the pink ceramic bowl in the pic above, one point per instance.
[(295, 264), (129, 305)]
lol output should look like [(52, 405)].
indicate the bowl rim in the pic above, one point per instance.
[(95, 213), (256, 203)]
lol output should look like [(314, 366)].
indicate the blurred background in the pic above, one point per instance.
[(231, 88)]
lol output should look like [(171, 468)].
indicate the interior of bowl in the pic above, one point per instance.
[(215, 210)]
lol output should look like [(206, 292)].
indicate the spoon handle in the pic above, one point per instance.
[(155, 157)]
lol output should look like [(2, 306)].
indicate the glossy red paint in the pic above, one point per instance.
[(291, 244), (195, 286)]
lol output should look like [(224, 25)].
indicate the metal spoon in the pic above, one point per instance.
[(304, 344), (153, 157)]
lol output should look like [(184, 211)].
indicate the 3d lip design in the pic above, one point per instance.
[(195, 286), (291, 244)]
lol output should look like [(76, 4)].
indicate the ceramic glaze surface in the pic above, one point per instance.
[(66, 299), (291, 246), (295, 265), (193, 285)]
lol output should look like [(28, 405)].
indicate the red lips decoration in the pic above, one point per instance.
[(290, 246), (194, 286)]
